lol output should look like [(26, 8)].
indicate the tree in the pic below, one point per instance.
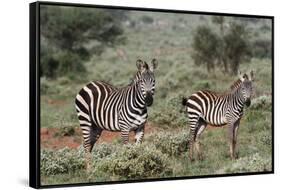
[(71, 35), (205, 46), (220, 20), (237, 46), (230, 48)]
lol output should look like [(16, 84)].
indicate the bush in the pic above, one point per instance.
[(202, 85), (254, 163), (266, 139), (169, 113), (262, 102), (48, 66), (132, 162), (147, 19), (47, 88), (53, 65), (70, 62), (68, 130), (121, 162), (171, 144), (103, 150), (258, 112), (65, 160), (262, 48)]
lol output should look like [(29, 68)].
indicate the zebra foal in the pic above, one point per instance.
[(101, 106), (206, 107)]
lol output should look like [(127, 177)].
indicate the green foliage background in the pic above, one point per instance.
[(167, 37)]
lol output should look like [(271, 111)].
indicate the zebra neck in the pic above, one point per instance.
[(236, 84), (238, 99), (135, 96)]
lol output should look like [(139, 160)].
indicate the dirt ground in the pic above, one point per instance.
[(52, 139)]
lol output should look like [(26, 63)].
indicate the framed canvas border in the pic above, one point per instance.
[(34, 90)]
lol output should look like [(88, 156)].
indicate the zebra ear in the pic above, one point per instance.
[(251, 78), (140, 64), (241, 77), (153, 65)]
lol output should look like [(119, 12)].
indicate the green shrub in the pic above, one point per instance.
[(171, 144), (202, 85), (103, 150), (262, 102), (44, 86), (262, 48), (64, 81), (68, 130), (48, 66), (69, 63), (132, 162), (54, 64), (147, 19), (266, 140), (253, 163), (47, 88), (168, 113), (61, 161)]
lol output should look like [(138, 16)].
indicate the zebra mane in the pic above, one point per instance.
[(136, 77), (238, 82)]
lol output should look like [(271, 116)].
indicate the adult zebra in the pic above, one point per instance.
[(206, 107), (101, 106)]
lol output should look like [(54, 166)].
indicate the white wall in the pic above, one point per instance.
[(14, 71)]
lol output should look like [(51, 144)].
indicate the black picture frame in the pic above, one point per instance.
[(34, 91)]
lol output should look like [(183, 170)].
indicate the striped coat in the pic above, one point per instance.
[(206, 107), (101, 106)]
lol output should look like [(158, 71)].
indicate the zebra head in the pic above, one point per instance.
[(246, 88), (145, 78)]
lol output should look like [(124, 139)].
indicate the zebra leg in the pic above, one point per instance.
[(192, 136), (125, 136), (90, 135), (201, 126), (236, 127), (139, 133), (233, 129)]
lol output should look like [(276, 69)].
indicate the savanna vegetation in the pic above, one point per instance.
[(194, 52)]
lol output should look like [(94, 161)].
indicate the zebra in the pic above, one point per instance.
[(101, 106), (238, 82), (206, 107)]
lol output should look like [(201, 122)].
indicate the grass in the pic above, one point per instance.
[(169, 151), (176, 76)]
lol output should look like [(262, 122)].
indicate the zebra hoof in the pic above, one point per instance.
[(191, 159), (234, 157), (200, 157), (237, 155)]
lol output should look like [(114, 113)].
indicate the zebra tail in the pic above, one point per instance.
[(184, 101)]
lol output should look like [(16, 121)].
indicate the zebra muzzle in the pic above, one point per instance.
[(148, 99), (248, 102)]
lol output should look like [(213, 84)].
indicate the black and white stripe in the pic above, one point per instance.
[(101, 106), (206, 107), (237, 83)]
